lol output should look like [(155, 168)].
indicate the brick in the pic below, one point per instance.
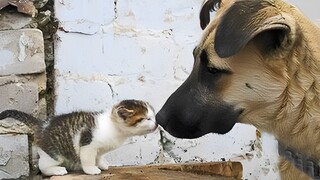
[(84, 13), (14, 156), (12, 21), (22, 96), (19, 93), (21, 52), (73, 94)]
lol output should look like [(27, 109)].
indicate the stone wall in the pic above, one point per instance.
[(22, 79)]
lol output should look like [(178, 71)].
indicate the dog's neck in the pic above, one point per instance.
[(300, 161), (297, 122)]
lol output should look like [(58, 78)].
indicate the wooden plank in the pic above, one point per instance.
[(199, 171)]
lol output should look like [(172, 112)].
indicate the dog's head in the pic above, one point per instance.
[(251, 55)]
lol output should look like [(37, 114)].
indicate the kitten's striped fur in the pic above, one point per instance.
[(78, 140)]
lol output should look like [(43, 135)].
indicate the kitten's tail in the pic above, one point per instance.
[(33, 123)]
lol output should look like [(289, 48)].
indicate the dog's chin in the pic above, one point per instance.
[(185, 134), (192, 133)]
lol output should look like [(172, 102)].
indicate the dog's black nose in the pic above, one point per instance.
[(160, 119)]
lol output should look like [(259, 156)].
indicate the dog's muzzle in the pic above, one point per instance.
[(189, 113)]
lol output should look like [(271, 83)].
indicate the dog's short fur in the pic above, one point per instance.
[(257, 63)]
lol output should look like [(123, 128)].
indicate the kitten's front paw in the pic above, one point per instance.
[(92, 170), (103, 165), (54, 171), (61, 171)]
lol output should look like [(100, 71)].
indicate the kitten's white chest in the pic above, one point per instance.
[(107, 135)]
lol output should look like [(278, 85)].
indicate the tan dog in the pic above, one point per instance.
[(258, 63)]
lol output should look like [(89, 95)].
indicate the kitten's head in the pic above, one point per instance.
[(138, 117)]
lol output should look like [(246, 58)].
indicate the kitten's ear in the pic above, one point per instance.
[(124, 113)]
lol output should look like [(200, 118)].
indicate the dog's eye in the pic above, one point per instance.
[(205, 62), (213, 70)]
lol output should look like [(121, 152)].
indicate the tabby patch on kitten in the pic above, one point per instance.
[(79, 140)]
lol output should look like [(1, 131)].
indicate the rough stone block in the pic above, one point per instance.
[(21, 52), (13, 20), (14, 156), (23, 96), (19, 93)]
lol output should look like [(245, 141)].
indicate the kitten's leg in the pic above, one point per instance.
[(102, 162), (88, 160), (48, 166)]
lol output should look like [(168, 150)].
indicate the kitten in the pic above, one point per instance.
[(79, 140)]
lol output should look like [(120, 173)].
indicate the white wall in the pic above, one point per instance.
[(111, 50)]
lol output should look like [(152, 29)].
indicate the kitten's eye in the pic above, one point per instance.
[(139, 120), (149, 119)]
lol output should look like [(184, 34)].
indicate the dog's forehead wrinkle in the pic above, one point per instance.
[(216, 61)]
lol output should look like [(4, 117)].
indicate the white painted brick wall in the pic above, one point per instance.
[(111, 50)]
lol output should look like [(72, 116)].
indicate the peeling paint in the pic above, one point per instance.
[(24, 43)]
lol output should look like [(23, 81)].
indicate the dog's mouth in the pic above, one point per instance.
[(179, 129), (189, 128), (173, 128)]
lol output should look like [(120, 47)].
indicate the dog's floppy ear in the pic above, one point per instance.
[(207, 6), (256, 20)]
